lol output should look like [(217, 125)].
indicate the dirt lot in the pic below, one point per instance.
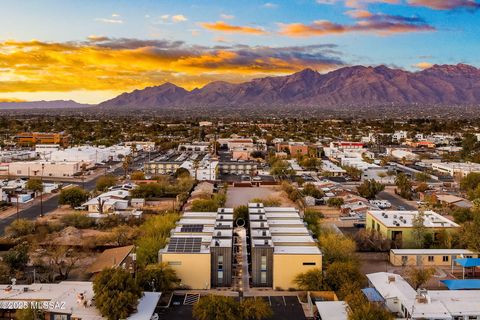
[(237, 196)]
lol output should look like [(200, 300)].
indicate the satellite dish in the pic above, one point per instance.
[(240, 222)]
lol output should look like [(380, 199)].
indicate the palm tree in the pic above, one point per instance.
[(127, 161)]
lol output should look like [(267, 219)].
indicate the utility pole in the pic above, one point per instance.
[(41, 191)]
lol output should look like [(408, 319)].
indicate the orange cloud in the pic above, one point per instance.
[(101, 63), (229, 28), (423, 65), (445, 4), (359, 14), (11, 100), (370, 23)]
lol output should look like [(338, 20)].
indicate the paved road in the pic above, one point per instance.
[(51, 204), (395, 200)]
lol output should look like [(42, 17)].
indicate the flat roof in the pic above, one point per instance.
[(332, 310), (404, 219), (146, 306)]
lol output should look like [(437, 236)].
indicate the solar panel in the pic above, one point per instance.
[(185, 245), (192, 228)]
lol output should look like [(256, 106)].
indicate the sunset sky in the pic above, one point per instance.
[(92, 50)]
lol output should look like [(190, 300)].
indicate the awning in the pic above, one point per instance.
[(470, 284), (372, 295), (468, 262)]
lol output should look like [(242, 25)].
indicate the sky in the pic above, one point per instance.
[(92, 50)]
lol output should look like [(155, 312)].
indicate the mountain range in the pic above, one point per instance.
[(54, 104), (349, 86)]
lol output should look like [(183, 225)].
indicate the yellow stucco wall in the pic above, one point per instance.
[(396, 259), (193, 269), (287, 266), (407, 237)]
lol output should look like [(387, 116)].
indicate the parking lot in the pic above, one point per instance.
[(283, 307)]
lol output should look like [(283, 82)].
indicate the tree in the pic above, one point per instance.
[(310, 190), (419, 276), (311, 280), (153, 237), (353, 172), (336, 247), (370, 188), (126, 163), (421, 187), (370, 311), (215, 308), (240, 212), (280, 167), (73, 196), (470, 181), (418, 229), (137, 175), (34, 185), (462, 215), (159, 277), (404, 184), (311, 163), (17, 257), (116, 293), (105, 182), (20, 228), (335, 202), (469, 234), (255, 309), (338, 274), (29, 314), (422, 177), (222, 307), (63, 260)]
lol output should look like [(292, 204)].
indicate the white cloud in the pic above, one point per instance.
[(227, 16), (179, 18), (109, 20), (270, 5)]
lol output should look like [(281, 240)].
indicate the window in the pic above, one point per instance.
[(174, 263), (309, 263), (431, 258), (60, 317), (263, 269), (263, 277), (445, 258)]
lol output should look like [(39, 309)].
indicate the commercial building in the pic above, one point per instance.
[(237, 167), (33, 138), (428, 257), (294, 148), (199, 164), (456, 169), (405, 302), (281, 246), (200, 249), (90, 154), (60, 169), (398, 225)]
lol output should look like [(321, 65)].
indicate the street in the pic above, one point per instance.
[(51, 204)]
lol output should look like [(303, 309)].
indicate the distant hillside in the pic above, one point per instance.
[(56, 104), (349, 86)]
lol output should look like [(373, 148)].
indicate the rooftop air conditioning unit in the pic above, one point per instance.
[(391, 279), (266, 242)]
